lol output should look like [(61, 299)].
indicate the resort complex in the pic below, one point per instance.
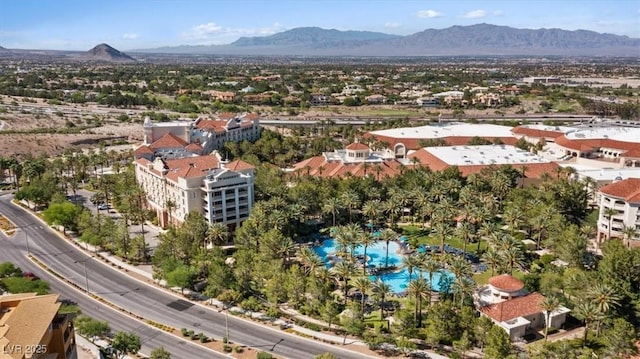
[(180, 176), (300, 207)]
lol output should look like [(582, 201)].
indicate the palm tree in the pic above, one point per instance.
[(284, 249), (604, 297), (371, 210), (609, 213), (430, 265), (217, 233), (393, 208), (460, 267), (343, 238), (513, 257), (169, 205), (381, 290), (365, 239), (487, 230), (351, 200), (513, 218), (310, 260), (363, 284), (387, 235), (464, 286), (441, 230), (410, 262), (419, 289), (588, 312), (493, 259), (465, 233), (549, 305), (343, 271), (332, 205), (629, 233)]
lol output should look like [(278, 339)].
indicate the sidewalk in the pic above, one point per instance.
[(88, 350), (147, 272)]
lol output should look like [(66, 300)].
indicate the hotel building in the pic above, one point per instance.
[(622, 199)]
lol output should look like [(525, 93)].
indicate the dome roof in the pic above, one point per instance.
[(506, 282)]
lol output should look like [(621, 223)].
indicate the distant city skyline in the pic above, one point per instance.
[(140, 24)]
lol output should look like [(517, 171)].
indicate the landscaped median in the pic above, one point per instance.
[(221, 346), (6, 226)]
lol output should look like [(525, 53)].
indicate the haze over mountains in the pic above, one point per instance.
[(474, 40), (480, 39)]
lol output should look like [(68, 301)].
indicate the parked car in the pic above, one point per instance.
[(103, 206), (30, 276)]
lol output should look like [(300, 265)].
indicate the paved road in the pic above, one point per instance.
[(14, 250), (153, 303)]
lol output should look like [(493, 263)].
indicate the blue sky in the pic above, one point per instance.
[(136, 24)]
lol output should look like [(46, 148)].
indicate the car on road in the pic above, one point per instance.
[(30, 276), (103, 206)]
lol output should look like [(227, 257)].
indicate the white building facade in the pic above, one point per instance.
[(221, 192), (620, 210)]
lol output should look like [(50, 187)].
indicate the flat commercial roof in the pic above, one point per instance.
[(624, 134), (609, 174), (448, 130), (484, 155)]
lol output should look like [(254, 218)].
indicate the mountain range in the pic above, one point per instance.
[(480, 39)]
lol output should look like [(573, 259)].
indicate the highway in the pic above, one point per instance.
[(142, 299)]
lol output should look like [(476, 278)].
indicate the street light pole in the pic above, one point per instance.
[(27, 237), (86, 276), (226, 323)]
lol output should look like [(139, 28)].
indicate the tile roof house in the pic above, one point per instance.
[(508, 304)]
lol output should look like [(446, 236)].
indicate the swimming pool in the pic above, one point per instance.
[(398, 281)]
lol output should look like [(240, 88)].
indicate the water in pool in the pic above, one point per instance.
[(377, 256)]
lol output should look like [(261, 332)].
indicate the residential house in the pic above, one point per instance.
[(510, 306)]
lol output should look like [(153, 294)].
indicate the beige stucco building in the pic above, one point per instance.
[(30, 327)]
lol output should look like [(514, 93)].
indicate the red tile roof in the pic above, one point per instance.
[(168, 140), (634, 153), (318, 166), (532, 132), (514, 308), (506, 283), (143, 150), (357, 146), (211, 125), (190, 166), (576, 144), (628, 189), (239, 165), (194, 147)]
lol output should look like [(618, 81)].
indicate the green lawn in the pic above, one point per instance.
[(419, 236)]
